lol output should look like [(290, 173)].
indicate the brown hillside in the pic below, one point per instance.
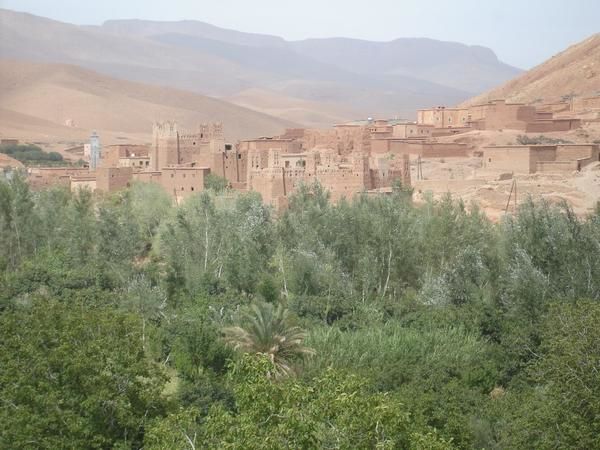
[(37, 101), (311, 114), (573, 71), (312, 80)]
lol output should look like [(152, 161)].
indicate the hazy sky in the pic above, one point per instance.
[(521, 32)]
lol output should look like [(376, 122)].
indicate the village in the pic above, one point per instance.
[(436, 154), (300, 225)]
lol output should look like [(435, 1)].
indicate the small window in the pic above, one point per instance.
[(239, 156), (489, 159), (182, 188), (193, 143), (192, 188)]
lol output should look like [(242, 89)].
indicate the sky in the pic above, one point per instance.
[(523, 33)]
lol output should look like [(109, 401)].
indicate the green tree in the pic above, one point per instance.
[(215, 183), (332, 411), (266, 329), (562, 408), (18, 237), (74, 377)]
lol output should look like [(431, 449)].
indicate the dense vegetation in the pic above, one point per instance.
[(128, 322), (523, 139), (30, 154)]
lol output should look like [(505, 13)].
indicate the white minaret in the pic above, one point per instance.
[(95, 151)]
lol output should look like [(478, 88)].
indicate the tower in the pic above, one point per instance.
[(95, 151), (165, 145)]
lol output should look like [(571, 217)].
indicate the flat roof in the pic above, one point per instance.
[(538, 146), (186, 168), (269, 139)]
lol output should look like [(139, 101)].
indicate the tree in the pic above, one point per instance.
[(331, 411), (215, 183), (267, 330), (74, 377), (18, 237), (562, 409)]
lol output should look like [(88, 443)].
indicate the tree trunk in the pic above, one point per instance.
[(389, 269)]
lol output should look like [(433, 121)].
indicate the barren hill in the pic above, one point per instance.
[(47, 102), (575, 71), (365, 78)]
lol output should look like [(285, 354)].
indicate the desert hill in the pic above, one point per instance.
[(575, 71), (39, 100), (365, 78), (458, 66)]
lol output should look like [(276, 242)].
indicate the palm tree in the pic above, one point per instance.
[(266, 330)]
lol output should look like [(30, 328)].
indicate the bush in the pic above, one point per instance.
[(523, 139), (29, 153)]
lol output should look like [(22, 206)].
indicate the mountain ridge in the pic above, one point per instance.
[(217, 62), (574, 71)]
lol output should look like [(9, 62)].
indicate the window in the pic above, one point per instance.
[(193, 143), (489, 159), (239, 156), (192, 188)]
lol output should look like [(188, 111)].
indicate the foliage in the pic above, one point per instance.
[(431, 326), (523, 139), (562, 411), (63, 384), (30, 154), (215, 183), (266, 329), (333, 411)]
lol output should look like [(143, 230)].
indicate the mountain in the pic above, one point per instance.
[(458, 66), (38, 100), (327, 75), (575, 71)]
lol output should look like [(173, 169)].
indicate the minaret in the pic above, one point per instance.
[(95, 151)]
